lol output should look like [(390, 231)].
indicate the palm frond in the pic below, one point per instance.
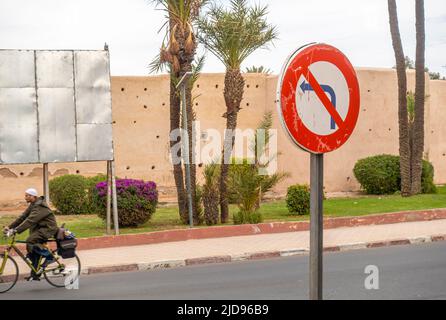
[(233, 34)]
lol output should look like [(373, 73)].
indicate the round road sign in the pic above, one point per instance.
[(318, 98)]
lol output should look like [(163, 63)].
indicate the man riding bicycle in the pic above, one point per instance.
[(42, 225)]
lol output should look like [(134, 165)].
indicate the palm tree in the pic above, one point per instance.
[(260, 69), (418, 130), (178, 52), (232, 35), (404, 150)]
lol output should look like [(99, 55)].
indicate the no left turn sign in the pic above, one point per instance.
[(318, 98)]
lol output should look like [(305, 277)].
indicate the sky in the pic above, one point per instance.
[(130, 28)]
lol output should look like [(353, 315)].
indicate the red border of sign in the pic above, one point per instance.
[(297, 65)]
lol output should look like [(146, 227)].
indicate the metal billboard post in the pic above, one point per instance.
[(108, 219), (114, 198), (185, 140), (316, 225)]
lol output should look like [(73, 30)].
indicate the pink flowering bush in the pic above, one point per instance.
[(137, 201)]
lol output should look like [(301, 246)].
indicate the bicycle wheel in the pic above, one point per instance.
[(64, 272), (10, 274)]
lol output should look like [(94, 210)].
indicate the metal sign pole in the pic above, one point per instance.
[(114, 198), (316, 225), (108, 197), (185, 139), (46, 188)]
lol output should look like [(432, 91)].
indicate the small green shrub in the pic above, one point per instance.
[(68, 194), (379, 174), (246, 217), (298, 199), (211, 193), (427, 178)]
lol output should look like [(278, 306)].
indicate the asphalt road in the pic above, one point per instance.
[(405, 272)]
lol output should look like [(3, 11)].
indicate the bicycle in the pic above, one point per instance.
[(59, 273)]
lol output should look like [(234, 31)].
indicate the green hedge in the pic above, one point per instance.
[(68, 194), (298, 199), (381, 175)]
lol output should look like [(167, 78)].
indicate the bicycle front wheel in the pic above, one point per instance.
[(64, 273), (10, 274)]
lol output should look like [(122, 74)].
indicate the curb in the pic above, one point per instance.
[(255, 256)]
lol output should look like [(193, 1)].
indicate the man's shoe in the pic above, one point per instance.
[(32, 278)]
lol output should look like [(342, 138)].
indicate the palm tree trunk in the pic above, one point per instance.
[(233, 93), (418, 142), (193, 167), (404, 150), (177, 169)]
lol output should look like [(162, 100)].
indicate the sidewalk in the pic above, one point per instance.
[(190, 252)]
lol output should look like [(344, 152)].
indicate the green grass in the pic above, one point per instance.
[(166, 218)]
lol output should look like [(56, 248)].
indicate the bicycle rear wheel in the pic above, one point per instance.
[(10, 274), (64, 272)]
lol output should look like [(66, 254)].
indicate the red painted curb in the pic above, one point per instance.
[(264, 255), (332, 249), (438, 238)]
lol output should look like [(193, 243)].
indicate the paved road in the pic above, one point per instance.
[(406, 272)]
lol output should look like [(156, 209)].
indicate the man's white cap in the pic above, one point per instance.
[(32, 192)]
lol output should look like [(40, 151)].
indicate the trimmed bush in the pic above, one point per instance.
[(68, 194), (246, 217), (298, 199), (137, 201), (427, 178), (381, 175)]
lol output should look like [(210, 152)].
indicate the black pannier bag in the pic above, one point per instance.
[(67, 248), (66, 243)]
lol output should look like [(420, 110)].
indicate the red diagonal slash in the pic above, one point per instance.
[(324, 99)]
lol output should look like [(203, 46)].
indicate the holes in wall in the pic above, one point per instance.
[(198, 86), (21, 173), (164, 104), (257, 86), (157, 137), (247, 104), (247, 86), (128, 167), (200, 165), (77, 171), (145, 89), (196, 104), (114, 122), (370, 130), (216, 86), (368, 90), (153, 167), (122, 89), (134, 122), (145, 107)]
